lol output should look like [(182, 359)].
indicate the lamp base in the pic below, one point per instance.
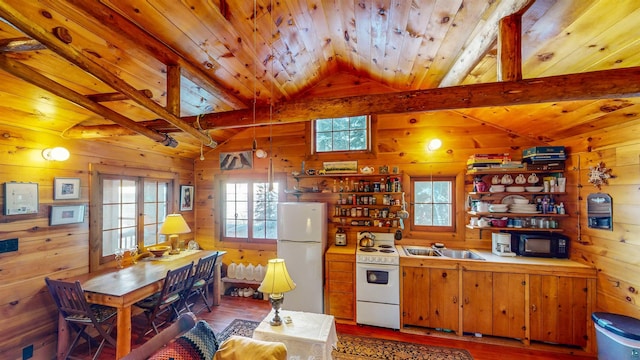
[(276, 304)]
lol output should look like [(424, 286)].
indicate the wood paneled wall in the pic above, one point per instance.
[(29, 316)]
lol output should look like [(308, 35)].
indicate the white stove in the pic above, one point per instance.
[(382, 252), (378, 282)]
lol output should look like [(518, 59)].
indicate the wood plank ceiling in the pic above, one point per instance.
[(202, 65)]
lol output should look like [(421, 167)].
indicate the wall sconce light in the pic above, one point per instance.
[(55, 154), (261, 154), (434, 144)]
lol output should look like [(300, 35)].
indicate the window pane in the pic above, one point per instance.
[(324, 125), (242, 228), (324, 141), (110, 191), (345, 134), (150, 191), (110, 241), (150, 213), (150, 235), (253, 218), (110, 217), (423, 215), (272, 230), (423, 192), (128, 215), (442, 215), (128, 191)]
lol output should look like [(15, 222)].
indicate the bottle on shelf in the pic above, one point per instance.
[(335, 185)]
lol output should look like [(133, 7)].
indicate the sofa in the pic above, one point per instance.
[(190, 339)]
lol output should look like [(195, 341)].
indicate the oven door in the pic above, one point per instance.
[(378, 283)]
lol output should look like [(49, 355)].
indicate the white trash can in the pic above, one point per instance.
[(617, 336)]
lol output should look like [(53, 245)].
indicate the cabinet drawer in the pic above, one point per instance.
[(341, 276), (341, 286), (341, 266), (341, 306)]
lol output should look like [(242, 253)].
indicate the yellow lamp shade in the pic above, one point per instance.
[(174, 224), (276, 279)]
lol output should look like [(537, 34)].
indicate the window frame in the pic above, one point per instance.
[(97, 172), (279, 178), (433, 228), (370, 121)]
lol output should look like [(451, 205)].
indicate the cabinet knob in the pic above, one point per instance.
[(444, 274)]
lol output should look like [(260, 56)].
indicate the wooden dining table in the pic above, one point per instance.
[(121, 288)]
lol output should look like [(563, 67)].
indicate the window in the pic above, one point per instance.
[(342, 134), (121, 227), (128, 207), (433, 204), (249, 210)]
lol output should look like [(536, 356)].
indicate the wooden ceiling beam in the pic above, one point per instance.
[(510, 48), (617, 83), (116, 96), (30, 75), (605, 84), (485, 37), (77, 57), (133, 36)]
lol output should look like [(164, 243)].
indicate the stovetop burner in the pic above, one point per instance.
[(387, 251), (385, 246), (368, 249)]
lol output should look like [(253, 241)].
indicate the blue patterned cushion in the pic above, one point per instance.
[(199, 343)]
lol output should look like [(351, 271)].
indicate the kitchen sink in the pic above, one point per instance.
[(420, 251), (460, 254)]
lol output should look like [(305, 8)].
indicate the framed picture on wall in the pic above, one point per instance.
[(69, 214), (66, 188), (186, 197), (20, 198)]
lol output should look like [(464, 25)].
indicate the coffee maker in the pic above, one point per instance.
[(501, 244)]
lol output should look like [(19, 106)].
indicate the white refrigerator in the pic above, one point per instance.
[(302, 239)]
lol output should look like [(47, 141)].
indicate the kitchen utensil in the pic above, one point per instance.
[(366, 242), (398, 235), (341, 238), (403, 214)]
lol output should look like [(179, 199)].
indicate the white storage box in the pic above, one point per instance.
[(617, 336)]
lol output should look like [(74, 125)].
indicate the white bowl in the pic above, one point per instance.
[(534, 188), (498, 208), (520, 201), (496, 188)]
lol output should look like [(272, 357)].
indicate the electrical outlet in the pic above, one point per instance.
[(27, 352), (8, 245)]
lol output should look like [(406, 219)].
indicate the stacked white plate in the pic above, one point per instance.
[(498, 207), (523, 208), (496, 188), (534, 188), (515, 188)]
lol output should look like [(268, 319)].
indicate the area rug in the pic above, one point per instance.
[(352, 347)]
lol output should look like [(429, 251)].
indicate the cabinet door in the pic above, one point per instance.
[(341, 292), (558, 309), (477, 305), (509, 305), (444, 299), (415, 296)]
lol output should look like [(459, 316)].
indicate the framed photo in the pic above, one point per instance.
[(69, 214), (341, 167), (186, 197), (20, 198), (66, 188), (236, 160)]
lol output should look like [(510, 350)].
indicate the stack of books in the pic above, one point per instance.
[(491, 161)]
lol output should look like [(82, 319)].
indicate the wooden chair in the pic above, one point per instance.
[(199, 281), (167, 301), (80, 315)]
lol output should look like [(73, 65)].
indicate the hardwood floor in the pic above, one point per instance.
[(249, 309)]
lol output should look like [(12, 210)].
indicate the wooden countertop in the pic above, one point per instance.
[(495, 263), (341, 253)]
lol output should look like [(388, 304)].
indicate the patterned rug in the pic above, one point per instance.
[(359, 348)]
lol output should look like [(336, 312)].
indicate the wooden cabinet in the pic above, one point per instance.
[(340, 276), (509, 306), (430, 297), (477, 302), (558, 307)]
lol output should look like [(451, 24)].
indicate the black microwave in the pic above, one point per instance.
[(549, 245)]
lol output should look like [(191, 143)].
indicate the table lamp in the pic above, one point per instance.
[(276, 282), (173, 225)]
